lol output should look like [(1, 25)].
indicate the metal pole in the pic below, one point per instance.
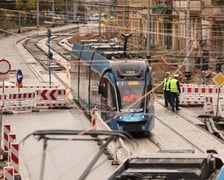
[(53, 15), (38, 24), (43, 160), (66, 9), (187, 70), (75, 9), (3, 89), (19, 23), (1, 116), (109, 24), (1, 128), (49, 51), (217, 109), (99, 21), (148, 31), (124, 15)]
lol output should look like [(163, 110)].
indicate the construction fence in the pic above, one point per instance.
[(210, 96), (32, 98)]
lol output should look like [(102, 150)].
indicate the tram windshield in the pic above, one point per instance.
[(131, 93)]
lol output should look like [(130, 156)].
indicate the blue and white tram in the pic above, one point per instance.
[(116, 88)]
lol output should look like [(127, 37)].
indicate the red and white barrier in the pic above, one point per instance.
[(3, 99), (41, 98), (12, 139), (118, 149), (208, 106), (8, 173), (51, 98), (12, 170), (15, 157), (93, 115), (6, 131), (32, 87), (195, 94), (21, 101), (12, 89)]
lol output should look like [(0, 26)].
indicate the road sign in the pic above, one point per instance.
[(5, 67), (19, 76), (218, 79), (49, 94)]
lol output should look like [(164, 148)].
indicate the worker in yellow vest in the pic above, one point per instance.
[(174, 92), (166, 89)]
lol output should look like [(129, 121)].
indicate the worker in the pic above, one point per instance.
[(166, 89), (129, 97), (174, 92)]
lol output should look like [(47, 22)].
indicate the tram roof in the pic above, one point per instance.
[(97, 61)]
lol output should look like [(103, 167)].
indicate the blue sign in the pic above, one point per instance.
[(19, 76)]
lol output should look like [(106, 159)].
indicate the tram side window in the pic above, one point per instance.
[(111, 101)]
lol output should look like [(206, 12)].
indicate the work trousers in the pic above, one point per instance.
[(167, 97), (174, 100)]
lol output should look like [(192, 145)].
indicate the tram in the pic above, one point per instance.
[(114, 82)]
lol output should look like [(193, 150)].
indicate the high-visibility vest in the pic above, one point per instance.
[(173, 86), (166, 84)]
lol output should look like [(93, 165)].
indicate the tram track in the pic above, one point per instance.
[(183, 140), (146, 145), (57, 67)]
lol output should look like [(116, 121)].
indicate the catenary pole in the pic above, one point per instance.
[(187, 69), (19, 24), (38, 24), (148, 31), (124, 15), (53, 15)]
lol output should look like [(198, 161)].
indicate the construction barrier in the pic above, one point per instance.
[(41, 98), (15, 157), (8, 173), (12, 89), (6, 131), (117, 149), (12, 149), (50, 98), (217, 107), (12, 139), (208, 106), (192, 94), (3, 99), (21, 101)]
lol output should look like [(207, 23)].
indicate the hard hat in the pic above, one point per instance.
[(168, 73), (175, 75)]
